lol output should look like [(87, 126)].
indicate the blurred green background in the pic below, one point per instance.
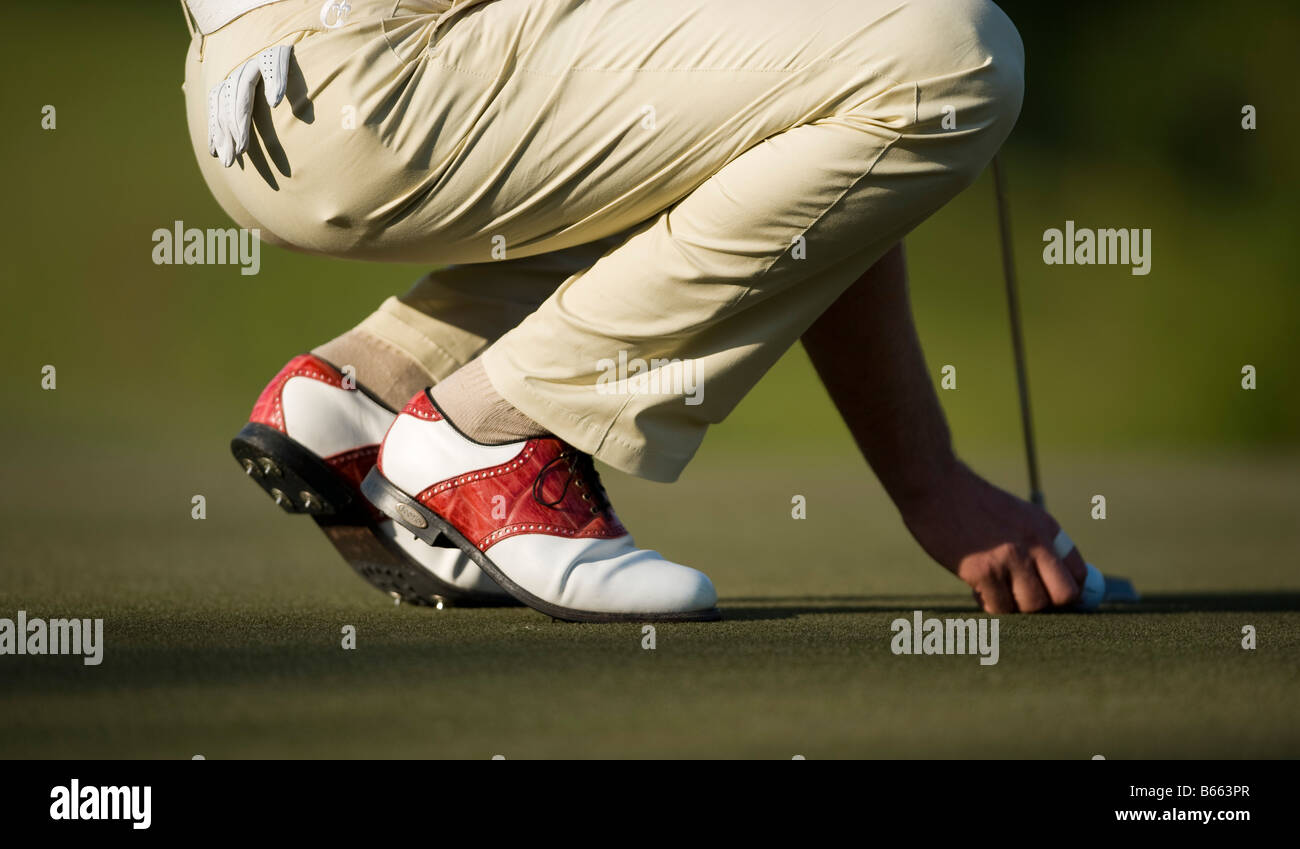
[(1132, 119)]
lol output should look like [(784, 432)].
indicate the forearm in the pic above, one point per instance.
[(867, 353)]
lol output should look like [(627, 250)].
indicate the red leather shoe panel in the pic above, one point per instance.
[(492, 504), (269, 410), (422, 408), (354, 465)]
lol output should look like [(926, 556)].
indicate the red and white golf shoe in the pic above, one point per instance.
[(310, 441), (534, 516)]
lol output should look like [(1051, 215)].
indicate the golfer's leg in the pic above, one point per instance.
[(448, 317), (726, 279), (545, 124)]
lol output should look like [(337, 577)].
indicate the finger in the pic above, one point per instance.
[(242, 108), (1062, 588), (1068, 553), (1027, 587), (994, 592), (274, 63), (1076, 567), (1056, 564)]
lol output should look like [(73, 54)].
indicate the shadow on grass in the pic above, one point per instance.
[(788, 607), (1253, 601), (756, 608)]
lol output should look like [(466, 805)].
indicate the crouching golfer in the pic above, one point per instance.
[(693, 184)]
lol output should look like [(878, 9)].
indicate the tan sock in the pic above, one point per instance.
[(473, 405), (385, 370)]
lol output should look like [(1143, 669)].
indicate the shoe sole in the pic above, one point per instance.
[(301, 482), (429, 526)]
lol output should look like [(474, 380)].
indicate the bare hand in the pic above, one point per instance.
[(997, 543)]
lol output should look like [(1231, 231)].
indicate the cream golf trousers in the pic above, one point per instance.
[(645, 202)]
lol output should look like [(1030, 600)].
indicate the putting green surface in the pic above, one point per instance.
[(223, 636)]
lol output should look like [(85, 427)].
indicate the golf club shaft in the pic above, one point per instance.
[(1017, 341)]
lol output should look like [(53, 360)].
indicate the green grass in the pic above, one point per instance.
[(223, 635)]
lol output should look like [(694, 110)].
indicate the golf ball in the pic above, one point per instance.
[(1094, 588)]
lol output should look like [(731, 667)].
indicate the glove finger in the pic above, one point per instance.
[(274, 63), (242, 109), (213, 120), (225, 122)]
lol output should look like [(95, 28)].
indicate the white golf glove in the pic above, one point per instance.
[(230, 104)]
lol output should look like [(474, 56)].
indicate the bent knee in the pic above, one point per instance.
[(985, 61), (966, 67), (1001, 82)]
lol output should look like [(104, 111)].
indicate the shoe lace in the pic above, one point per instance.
[(582, 473)]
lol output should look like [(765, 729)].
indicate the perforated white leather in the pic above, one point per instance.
[(418, 454)]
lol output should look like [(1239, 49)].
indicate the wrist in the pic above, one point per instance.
[(926, 483)]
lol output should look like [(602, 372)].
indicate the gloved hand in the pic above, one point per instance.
[(230, 104)]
